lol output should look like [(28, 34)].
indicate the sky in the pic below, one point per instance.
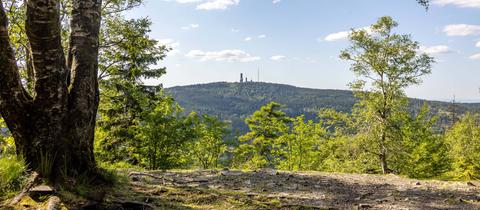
[(298, 42)]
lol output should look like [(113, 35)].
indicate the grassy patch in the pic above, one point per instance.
[(12, 175)]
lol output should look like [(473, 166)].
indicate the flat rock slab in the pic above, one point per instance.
[(41, 190)]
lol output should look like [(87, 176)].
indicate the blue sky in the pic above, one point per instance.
[(297, 42)]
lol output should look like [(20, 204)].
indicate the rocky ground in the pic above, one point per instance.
[(269, 189)]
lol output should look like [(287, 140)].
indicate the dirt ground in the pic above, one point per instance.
[(270, 189)]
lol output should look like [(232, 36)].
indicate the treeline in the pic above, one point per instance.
[(166, 138), (379, 135)]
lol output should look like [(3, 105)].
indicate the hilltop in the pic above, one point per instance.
[(236, 101)]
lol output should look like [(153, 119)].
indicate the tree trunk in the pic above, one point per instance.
[(54, 131), (383, 155)]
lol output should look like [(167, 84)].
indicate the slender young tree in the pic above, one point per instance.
[(58, 119), (385, 64)]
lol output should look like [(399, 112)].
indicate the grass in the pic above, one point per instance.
[(12, 175)]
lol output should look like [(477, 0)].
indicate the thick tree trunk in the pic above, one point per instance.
[(54, 131)]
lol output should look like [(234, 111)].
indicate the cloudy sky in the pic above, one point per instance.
[(297, 42)]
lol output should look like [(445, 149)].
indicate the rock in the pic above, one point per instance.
[(271, 185), (41, 190), (54, 203), (471, 184), (269, 171), (293, 187), (418, 183), (201, 180), (364, 206), (248, 182)]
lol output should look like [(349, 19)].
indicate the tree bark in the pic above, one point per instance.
[(383, 155), (54, 130)]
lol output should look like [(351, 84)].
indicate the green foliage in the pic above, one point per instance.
[(346, 149), (463, 140), (234, 102), (210, 145), (127, 57), (303, 145), (262, 146), (7, 144), (386, 63), (423, 153), (166, 135), (12, 174), (46, 163)]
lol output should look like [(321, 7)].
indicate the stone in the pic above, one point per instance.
[(54, 203), (364, 206), (41, 190)]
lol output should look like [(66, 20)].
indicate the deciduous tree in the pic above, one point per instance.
[(58, 116), (385, 63)]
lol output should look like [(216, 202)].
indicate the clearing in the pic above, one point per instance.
[(270, 189)]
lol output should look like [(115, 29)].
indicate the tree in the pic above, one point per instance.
[(425, 3), (59, 118), (166, 135), (463, 140), (210, 144), (262, 146), (389, 63), (126, 59), (302, 145), (423, 153)]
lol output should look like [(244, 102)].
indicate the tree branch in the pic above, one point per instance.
[(84, 45), (43, 29), (13, 97)]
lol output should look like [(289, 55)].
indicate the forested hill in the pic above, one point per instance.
[(236, 101)]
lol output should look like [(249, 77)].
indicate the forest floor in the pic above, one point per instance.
[(270, 189)]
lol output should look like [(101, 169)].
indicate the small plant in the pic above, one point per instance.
[(46, 163)]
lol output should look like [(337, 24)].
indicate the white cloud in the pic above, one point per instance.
[(278, 58), (342, 35), (190, 27), (434, 50), (234, 30), (459, 3), (217, 4), (276, 1), (462, 30), (247, 39), (224, 55), (475, 57), (478, 44), (170, 43), (188, 1), (337, 36), (210, 4), (262, 36)]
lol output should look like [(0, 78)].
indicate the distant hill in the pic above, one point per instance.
[(236, 101)]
